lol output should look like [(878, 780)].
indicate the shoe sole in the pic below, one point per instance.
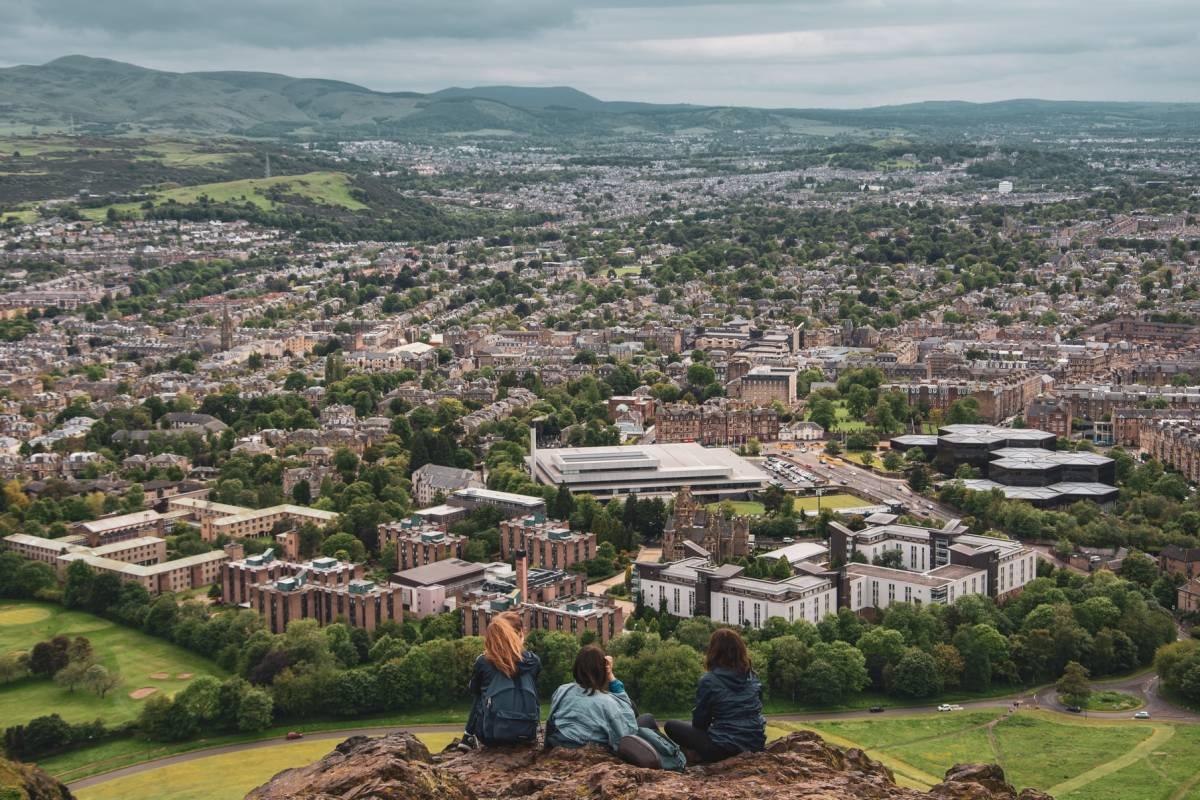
[(639, 752)]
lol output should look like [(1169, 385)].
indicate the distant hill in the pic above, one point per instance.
[(110, 96)]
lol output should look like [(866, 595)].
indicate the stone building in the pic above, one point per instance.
[(722, 538)]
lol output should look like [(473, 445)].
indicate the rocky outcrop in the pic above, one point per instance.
[(25, 782), (800, 766)]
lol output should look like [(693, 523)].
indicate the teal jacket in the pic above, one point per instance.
[(577, 718)]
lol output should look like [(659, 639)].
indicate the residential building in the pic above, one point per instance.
[(419, 543), (549, 543), (432, 480)]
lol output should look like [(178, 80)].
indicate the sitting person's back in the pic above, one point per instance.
[(594, 709), (504, 687), (729, 702)]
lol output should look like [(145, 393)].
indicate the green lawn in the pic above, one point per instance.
[(834, 501), (745, 508), (1075, 758), (323, 188), (134, 654), (1112, 701)]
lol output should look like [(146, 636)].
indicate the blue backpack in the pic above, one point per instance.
[(510, 710)]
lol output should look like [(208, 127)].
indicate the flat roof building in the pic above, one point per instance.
[(662, 470), (510, 503)]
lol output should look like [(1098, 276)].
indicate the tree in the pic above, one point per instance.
[(302, 493), (1139, 568), (255, 711), (347, 543), (71, 677), (984, 650), (667, 676), (918, 477), (99, 680), (881, 648), (201, 699), (916, 674), (949, 665), (78, 586), (564, 503), (1073, 686), (788, 656)]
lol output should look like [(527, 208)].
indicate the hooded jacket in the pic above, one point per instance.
[(481, 677), (578, 718), (729, 707)]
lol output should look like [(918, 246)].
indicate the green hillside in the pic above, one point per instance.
[(102, 97)]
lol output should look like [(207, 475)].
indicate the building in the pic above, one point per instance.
[(418, 543), (436, 587), (1020, 462), (656, 470), (716, 424), (764, 385), (235, 522), (920, 573), (691, 525), (576, 616), (432, 480), (1176, 560), (509, 503), (549, 543), (141, 560), (1175, 443), (1050, 415), (998, 399), (123, 526), (324, 589), (1188, 597), (694, 587)]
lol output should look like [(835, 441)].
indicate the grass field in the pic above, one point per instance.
[(744, 508), (135, 655), (1069, 758), (322, 188), (1113, 701), (833, 501)]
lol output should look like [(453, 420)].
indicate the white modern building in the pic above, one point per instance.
[(662, 470), (696, 587)]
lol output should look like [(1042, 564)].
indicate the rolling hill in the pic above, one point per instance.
[(103, 96)]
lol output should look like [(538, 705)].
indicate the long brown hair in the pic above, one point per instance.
[(727, 650), (591, 670), (503, 644)]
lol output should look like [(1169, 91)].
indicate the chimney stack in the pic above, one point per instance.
[(523, 575)]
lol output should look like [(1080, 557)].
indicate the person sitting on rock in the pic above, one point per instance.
[(504, 708), (594, 709), (727, 718)]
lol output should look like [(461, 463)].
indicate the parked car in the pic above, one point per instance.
[(294, 735), (1142, 715), (944, 707), (876, 709), (1074, 709)]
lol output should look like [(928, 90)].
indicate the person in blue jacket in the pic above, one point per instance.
[(594, 709), (727, 717)]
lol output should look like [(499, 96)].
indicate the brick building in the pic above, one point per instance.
[(550, 544), (1048, 414), (716, 424), (1175, 443), (418, 543), (1176, 560), (763, 385)]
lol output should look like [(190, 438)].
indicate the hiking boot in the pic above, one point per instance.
[(639, 752)]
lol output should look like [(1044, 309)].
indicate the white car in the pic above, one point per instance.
[(949, 707)]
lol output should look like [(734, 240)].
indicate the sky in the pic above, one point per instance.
[(766, 53)]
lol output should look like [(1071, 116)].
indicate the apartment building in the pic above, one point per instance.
[(418, 543), (695, 586), (998, 399), (235, 522), (549, 543), (716, 424), (122, 526), (764, 385), (1175, 443)]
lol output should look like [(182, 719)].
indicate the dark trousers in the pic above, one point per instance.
[(692, 739)]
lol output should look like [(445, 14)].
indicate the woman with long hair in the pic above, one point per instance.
[(594, 709), (727, 717), (504, 654)]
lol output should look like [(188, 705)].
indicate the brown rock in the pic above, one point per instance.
[(26, 782), (800, 766)]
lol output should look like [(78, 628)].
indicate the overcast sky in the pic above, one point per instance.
[(845, 53)]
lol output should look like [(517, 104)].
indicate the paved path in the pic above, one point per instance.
[(1144, 686)]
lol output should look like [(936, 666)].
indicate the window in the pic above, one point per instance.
[(724, 609)]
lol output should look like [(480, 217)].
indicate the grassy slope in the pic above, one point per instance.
[(322, 188), (135, 655), (1105, 759)]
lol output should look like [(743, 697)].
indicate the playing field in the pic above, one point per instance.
[(832, 501), (1072, 759), (135, 655), (745, 508)]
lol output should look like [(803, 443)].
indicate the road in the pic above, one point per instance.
[(1045, 699), (600, 587), (863, 482)]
